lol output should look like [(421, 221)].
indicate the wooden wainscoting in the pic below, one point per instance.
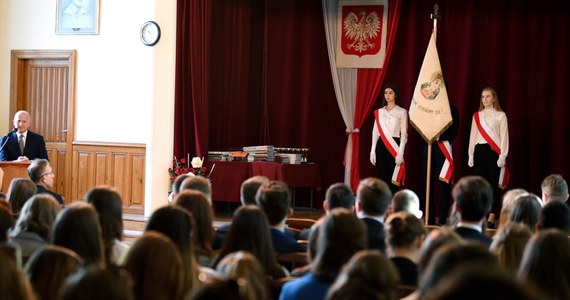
[(119, 165)]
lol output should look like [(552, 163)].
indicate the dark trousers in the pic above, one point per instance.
[(485, 165), (385, 164), (440, 192)]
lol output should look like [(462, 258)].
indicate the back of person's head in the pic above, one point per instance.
[(198, 183), (203, 215), (37, 169), (339, 195), (341, 235), (509, 243), (19, 191), (155, 265), (77, 228), (474, 196), (243, 265), (7, 220), (250, 232), (275, 200), (222, 289), (373, 196), (109, 206), (546, 264), (366, 268), (249, 188), (178, 182), (554, 214), (37, 216), (96, 282), (13, 282), (49, 267), (554, 188), (407, 200), (507, 204), (403, 230), (451, 257), (526, 210), (481, 282), (435, 240)]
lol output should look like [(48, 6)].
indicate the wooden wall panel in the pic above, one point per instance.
[(121, 166)]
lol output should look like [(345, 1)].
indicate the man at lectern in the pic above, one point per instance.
[(21, 144)]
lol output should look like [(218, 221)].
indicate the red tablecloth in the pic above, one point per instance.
[(227, 176)]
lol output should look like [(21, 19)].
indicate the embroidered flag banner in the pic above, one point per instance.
[(429, 110), (362, 30)]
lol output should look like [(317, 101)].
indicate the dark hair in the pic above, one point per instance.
[(396, 93), (340, 195), (275, 200), (526, 210), (402, 229), (374, 196), (555, 214), (37, 216), (203, 216), (178, 182), (109, 206), (6, 220), (474, 196), (97, 282), (77, 228), (221, 289), (19, 191), (249, 188), (198, 183), (36, 170)]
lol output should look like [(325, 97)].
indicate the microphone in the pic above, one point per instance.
[(10, 132), (6, 137)]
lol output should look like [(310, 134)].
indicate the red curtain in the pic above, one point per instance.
[(256, 72)]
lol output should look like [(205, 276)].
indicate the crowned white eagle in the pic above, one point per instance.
[(360, 29)]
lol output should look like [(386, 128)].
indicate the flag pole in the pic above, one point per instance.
[(434, 16)]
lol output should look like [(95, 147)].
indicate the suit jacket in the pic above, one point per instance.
[(35, 147), (376, 234), (43, 190), (474, 235), (284, 243)]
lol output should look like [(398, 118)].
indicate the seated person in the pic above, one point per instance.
[(407, 200), (373, 197), (473, 196), (41, 173), (275, 200)]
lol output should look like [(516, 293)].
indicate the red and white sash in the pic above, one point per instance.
[(446, 173), (494, 142), (399, 175)]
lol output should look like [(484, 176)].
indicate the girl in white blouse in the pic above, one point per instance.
[(489, 145), (389, 137)]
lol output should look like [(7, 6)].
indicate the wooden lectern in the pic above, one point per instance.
[(12, 169)]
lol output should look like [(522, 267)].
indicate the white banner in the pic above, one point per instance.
[(361, 33)]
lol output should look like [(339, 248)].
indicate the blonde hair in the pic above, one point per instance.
[(246, 269), (496, 104)]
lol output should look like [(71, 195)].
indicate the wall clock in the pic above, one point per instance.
[(150, 33)]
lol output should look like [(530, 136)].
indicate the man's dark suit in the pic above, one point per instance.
[(474, 235), (375, 233), (35, 147)]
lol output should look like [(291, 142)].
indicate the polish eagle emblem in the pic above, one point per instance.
[(361, 33)]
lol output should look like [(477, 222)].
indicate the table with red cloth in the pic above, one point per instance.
[(227, 176)]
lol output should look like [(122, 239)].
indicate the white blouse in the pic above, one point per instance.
[(396, 121), (497, 121)]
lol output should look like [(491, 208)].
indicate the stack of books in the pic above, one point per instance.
[(260, 153), (218, 156), (289, 158)]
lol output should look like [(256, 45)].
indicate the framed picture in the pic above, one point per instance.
[(77, 17)]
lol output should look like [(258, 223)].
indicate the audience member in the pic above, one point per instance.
[(407, 200), (176, 185), (48, 269), (508, 202), (155, 264), (341, 235), (6, 220), (250, 232), (275, 200), (33, 227), (554, 188), (109, 206), (526, 209), (41, 173), (19, 191), (554, 214), (177, 224), (372, 200), (404, 237), (77, 228), (473, 199), (205, 238), (546, 264), (508, 244), (367, 273), (244, 266), (223, 289), (98, 282), (13, 283), (198, 183)]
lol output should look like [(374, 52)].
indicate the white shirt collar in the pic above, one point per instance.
[(477, 226)]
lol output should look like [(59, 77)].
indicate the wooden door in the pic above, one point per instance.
[(42, 82)]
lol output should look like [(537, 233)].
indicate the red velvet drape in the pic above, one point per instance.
[(265, 78)]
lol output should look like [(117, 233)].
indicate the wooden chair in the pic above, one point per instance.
[(300, 223)]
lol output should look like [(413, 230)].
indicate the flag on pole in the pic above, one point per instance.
[(429, 111)]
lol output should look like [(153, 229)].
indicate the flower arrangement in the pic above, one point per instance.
[(183, 166)]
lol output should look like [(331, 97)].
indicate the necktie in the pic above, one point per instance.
[(21, 143)]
